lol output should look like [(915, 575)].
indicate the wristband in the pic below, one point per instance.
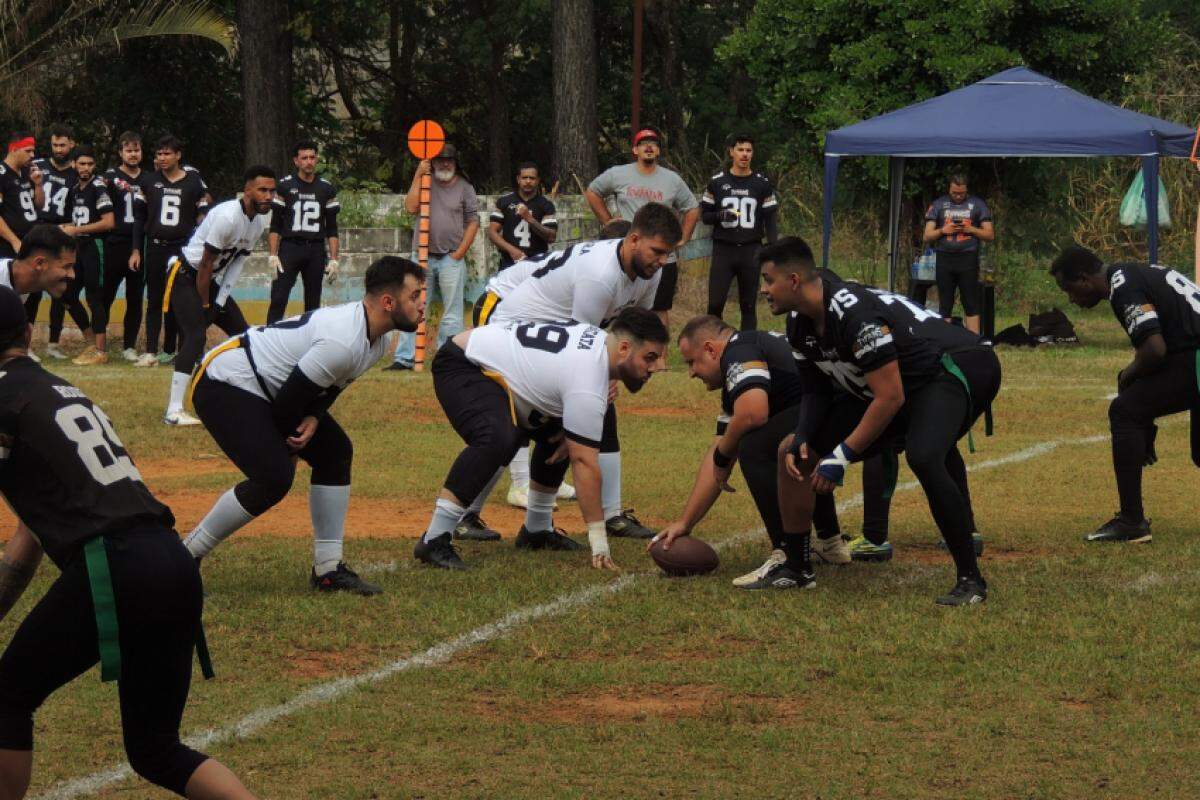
[(833, 467), (721, 460), (598, 538)]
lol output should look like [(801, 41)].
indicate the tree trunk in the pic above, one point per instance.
[(574, 50), (266, 57), (499, 156), (662, 17)]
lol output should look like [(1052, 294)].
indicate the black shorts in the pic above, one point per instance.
[(664, 298)]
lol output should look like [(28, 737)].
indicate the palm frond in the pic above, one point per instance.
[(174, 18)]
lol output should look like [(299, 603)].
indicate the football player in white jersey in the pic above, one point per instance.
[(45, 263), (591, 282), (199, 284), (502, 384), (265, 397)]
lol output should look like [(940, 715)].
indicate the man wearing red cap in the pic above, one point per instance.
[(643, 181)]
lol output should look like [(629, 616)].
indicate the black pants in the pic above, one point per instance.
[(664, 296), (1131, 417), (877, 507), (116, 271), (930, 424), (958, 271), (734, 261), (159, 600), (193, 319), (243, 426), (154, 265), (302, 257), (89, 277), (480, 412)]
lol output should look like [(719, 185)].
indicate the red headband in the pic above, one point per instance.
[(20, 144)]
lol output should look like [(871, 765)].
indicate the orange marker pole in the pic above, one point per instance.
[(425, 140)]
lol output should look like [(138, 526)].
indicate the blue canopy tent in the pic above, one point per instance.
[(1016, 112)]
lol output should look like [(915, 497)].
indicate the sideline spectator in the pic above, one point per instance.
[(643, 181), (956, 223), (523, 223), (453, 223)]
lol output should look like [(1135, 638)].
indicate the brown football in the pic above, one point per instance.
[(687, 556)]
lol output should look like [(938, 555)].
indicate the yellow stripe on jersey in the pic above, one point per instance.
[(498, 378), (490, 301), (232, 344), (172, 270)]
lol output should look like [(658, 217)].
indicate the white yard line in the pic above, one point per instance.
[(323, 693)]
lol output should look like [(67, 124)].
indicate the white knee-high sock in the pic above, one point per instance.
[(226, 517), (610, 484), (327, 505), (520, 467), (539, 512), (446, 514), (477, 504), (179, 385)]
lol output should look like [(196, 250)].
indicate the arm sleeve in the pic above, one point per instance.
[(278, 212), (139, 219), (602, 184), (293, 400), (933, 212), (745, 367), (104, 203), (815, 400), (549, 219), (332, 207), (470, 205), (771, 225), (590, 301), (984, 213), (870, 339), (1133, 308), (683, 200)]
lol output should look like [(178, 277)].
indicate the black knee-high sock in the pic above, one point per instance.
[(797, 549)]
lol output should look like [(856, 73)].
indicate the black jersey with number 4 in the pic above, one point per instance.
[(1149, 299), (89, 203), (128, 196), (172, 207), (866, 329), (62, 468), (758, 360), (751, 197), (16, 200), (516, 231), (305, 209), (56, 185)]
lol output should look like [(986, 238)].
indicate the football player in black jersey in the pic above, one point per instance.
[(740, 205), (58, 176), (1160, 311), (128, 596), (906, 375), (304, 219), (523, 223), (91, 217), (126, 184), (176, 200), (20, 197)]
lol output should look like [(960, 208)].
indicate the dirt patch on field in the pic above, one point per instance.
[(153, 469), (672, 412), (644, 703), (311, 664)]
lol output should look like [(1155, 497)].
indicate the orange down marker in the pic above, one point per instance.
[(425, 140)]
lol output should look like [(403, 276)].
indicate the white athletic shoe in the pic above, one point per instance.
[(129, 354), (565, 491), (180, 418), (518, 496), (832, 551), (775, 559), (146, 360), (54, 351)]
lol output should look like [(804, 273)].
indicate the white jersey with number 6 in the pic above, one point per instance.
[(584, 283), (555, 371), (329, 345)]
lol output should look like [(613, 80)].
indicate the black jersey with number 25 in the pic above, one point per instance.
[(1149, 299), (62, 468)]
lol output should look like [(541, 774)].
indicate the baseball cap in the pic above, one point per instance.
[(12, 310), (647, 132), (449, 152)]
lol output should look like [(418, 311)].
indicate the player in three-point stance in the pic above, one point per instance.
[(265, 397), (906, 374), (129, 595), (549, 381), (1160, 311)]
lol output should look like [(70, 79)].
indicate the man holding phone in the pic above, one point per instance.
[(956, 223)]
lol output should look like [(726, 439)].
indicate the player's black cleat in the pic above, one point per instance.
[(976, 537), (439, 553), (472, 528), (626, 525), (966, 592), (783, 576), (546, 540), (343, 579), (1118, 530)]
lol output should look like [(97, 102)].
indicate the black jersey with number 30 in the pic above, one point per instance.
[(751, 198), (62, 468), (1149, 299), (866, 329)]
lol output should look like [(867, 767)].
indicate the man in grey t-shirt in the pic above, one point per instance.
[(453, 223), (643, 181)]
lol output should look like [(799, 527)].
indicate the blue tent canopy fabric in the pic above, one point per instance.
[(1014, 113)]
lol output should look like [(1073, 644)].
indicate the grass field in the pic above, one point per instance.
[(534, 676)]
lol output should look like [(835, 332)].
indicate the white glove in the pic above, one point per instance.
[(275, 264), (331, 269)]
